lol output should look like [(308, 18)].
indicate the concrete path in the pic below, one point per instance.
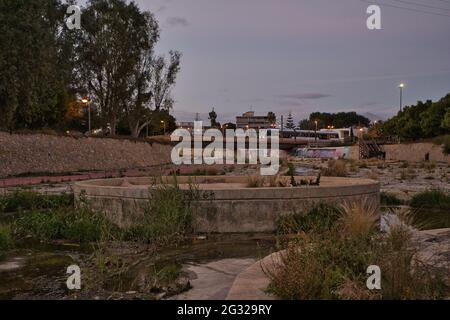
[(252, 283), (213, 280)]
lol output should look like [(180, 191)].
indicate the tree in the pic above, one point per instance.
[(290, 122), (446, 120), (306, 124), (33, 90), (118, 66), (423, 120), (339, 120)]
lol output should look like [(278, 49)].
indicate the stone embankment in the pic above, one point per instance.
[(34, 154)]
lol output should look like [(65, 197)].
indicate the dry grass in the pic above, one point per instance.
[(336, 168), (359, 219), (255, 182), (331, 263)]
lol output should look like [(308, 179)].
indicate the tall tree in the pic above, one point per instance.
[(290, 122), (119, 67), (32, 89), (151, 88)]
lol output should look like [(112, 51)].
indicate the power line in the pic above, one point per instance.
[(421, 5), (408, 9)]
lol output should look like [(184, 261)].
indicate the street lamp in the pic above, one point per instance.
[(401, 86), (315, 131), (164, 125), (86, 101)]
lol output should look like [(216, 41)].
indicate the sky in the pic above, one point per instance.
[(303, 56)]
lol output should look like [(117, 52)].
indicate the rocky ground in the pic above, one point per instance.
[(397, 177)]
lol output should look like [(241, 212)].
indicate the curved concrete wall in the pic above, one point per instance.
[(233, 207)]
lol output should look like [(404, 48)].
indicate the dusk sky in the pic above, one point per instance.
[(303, 55)]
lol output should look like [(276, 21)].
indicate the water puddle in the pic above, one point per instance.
[(39, 271)]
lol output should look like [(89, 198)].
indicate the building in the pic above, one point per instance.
[(249, 121), (185, 125)]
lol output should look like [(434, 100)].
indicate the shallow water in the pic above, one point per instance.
[(38, 271)]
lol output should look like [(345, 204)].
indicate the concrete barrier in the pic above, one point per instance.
[(231, 206)]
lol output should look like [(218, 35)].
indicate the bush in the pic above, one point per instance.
[(168, 216), (29, 200), (321, 217), (444, 141), (255, 182), (331, 263), (336, 168), (5, 238), (435, 199), (389, 199), (79, 225)]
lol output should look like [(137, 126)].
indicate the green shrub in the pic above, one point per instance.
[(320, 217), (5, 238), (389, 199), (168, 216), (331, 263), (291, 170), (436, 199), (79, 225), (29, 200), (444, 141)]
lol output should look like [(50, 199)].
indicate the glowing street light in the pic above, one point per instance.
[(85, 101), (315, 131), (401, 86)]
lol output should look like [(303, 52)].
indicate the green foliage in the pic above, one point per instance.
[(331, 262), (389, 199), (33, 71), (168, 216), (338, 120), (434, 199), (291, 170), (423, 120), (5, 238), (320, 217), (444, 141), (29, 200), (79, 225), (290, 122), (119, 39)]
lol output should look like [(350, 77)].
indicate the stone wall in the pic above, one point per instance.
[(40, 153), (231, 207), (415, 152), (409, 152)]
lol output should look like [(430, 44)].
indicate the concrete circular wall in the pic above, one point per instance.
[(232, 207)]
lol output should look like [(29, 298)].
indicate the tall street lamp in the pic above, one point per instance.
[(315, 131), (401, 86), (86, 101), (164, 125)]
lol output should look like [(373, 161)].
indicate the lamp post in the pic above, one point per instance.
[(164, 125), (401, 86), (315, 131), (86, 102)]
